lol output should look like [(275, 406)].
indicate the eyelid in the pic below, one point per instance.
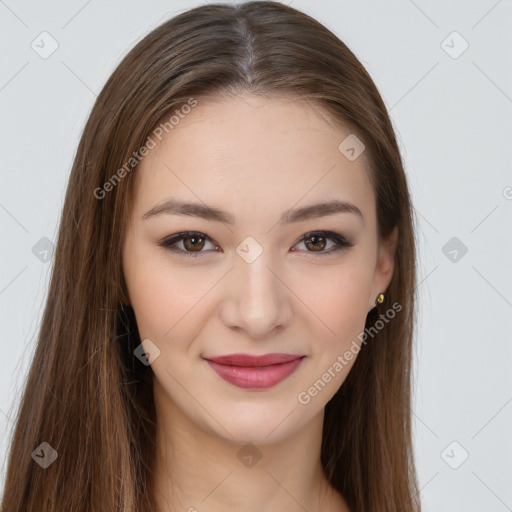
[(339, 240)]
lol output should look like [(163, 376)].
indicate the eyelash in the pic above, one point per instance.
[(340, 241)]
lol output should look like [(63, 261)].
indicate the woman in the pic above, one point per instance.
[(230, 317)]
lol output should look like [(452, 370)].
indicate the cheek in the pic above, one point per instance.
[(339, 300), (164, 297)]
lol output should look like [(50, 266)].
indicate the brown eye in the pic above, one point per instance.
[(193, 243), (324, 242), (318, 243)]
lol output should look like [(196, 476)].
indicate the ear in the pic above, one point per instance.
[(385, 266)]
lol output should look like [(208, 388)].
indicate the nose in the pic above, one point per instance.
[(257, 299)]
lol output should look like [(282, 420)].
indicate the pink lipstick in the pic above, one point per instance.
[(255, 372)]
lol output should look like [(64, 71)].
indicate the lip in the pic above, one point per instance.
[(255, 372)]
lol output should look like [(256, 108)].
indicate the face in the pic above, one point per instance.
[(259, 274)]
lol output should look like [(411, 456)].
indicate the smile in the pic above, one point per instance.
[(250, 372)]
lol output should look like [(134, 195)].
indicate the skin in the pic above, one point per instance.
[(253, 157)]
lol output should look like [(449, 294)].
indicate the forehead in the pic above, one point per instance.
[(252, 154)]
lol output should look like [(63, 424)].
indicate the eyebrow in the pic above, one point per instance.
[(175, 207)]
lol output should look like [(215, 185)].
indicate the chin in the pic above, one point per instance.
[(260, 429)]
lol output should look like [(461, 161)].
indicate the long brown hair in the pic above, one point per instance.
[(86, 395)]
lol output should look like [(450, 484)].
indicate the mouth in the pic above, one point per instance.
[(255, 372)]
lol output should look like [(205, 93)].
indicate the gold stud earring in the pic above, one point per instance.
[(380, 298)]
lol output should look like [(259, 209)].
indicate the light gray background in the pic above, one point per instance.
[(453, 121)]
